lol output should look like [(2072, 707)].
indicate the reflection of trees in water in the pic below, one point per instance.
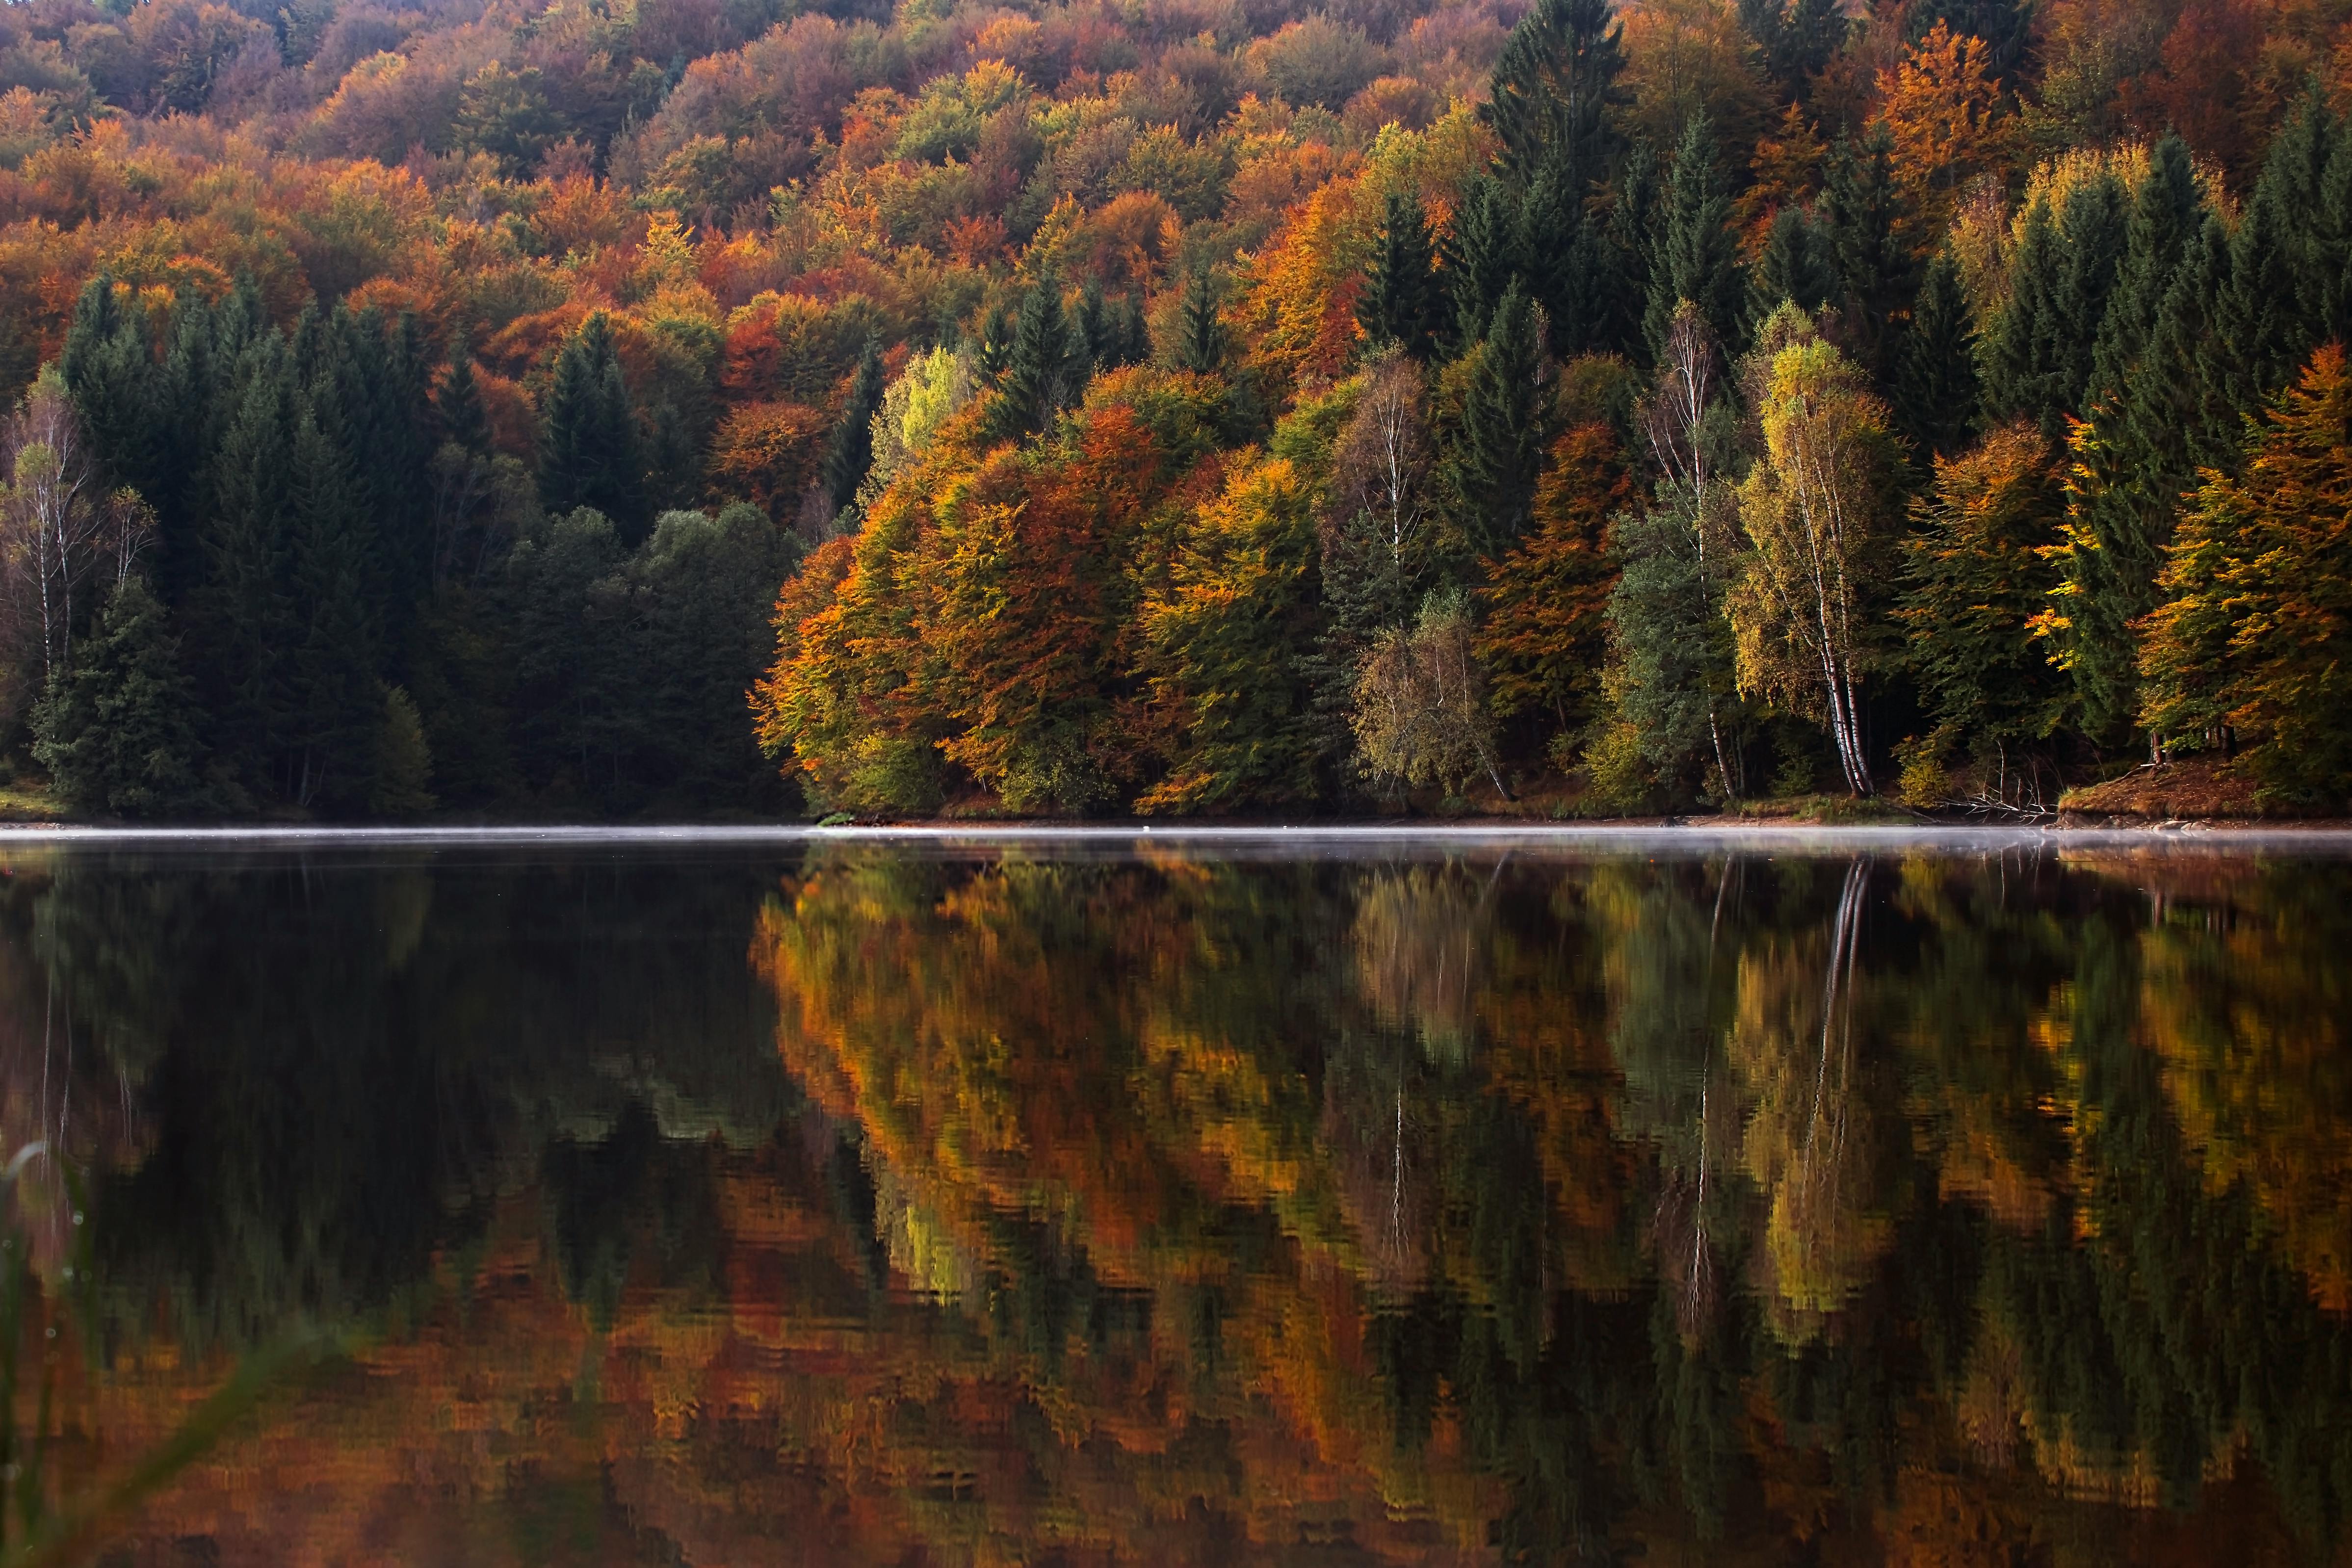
[(1270, 1161), (337, 1066)]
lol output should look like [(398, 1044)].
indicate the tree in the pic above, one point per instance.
[(403, 773), (1553, 87), (1485, 254), (1502, 436), (1976, 571), (2254, 639), (58, 531), (119, 733), (1811, 508), (2039, 360), (458, 402), (1403, 301), (1200, 334), (1869, 225), (1042, 375), (849, 453), (1935, 373), (2167, 209), (1419, 714), (589, 454), (1941, 108), (1543, 635), (1697, 258), (1796, 267), (1671, 671), (1222, 642), (1798, 37)]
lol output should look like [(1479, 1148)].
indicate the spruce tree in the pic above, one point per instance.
[(1403, 301), (2167, 209), (1501, 440), (1041, 374), (337, 701), (458, 402), (1697, 256), (109, 372), (1200, 335), (1483, 254), (1630, 245), (1797, 40), (1936, 369), (850, 452), (1795, 267), (246, 620), (1863, 210), (2040, 363), (122, 732), (1553, 87), (589, 451)]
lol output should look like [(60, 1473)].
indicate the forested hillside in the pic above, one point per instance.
[(1175, 405)]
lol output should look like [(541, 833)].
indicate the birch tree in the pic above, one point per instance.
[(1812, 507)]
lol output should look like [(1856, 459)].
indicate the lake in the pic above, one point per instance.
[(1218, 1199)]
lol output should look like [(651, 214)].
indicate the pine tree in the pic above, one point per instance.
[(2039, 361), (993, 351), (121, 733), (1863, 210), (1200, 335), (108, 364), (458, 402), (1798, 41), (1936, 369), (589, 451), (337, 702), (401, 786), (1796, 267), (1977, 576), (1553, 87), (2256, 634), (245, 619), (1403, 301), (2168, 210), (1041, 374), (1483, 254), (2132, 465), (1502, 435), (1697, 256), (850, 452)]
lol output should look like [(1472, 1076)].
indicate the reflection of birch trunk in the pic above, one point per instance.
[(1823, 1153)]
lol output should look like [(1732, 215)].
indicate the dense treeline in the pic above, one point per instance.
[(1197, 408)]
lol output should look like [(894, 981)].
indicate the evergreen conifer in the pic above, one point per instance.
[(1403, 301), (850, 452), (1502, 435), (122, 732), (1697, 256), (1935, 369), (589, 451)]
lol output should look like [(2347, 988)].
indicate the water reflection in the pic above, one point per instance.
[(1009, 1205)]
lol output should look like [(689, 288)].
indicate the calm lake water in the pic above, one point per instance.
[(1185, 1200)]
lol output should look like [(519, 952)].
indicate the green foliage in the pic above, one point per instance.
[(1553, 87), (850, 451), (404, 760), (1403, 300), (1042, 375), (1697, 256), (2039, 358), (1504, 413), (589, 454), (1935, 390), (121, 734), (1865, 214)]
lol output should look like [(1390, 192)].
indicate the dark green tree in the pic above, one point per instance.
[(1200, 335), (850, 451), (1865, 216), (1483, 254), (589, 454), (245, 621), (1553, 87), (2168, 210), (458, 402), (1798, 39), (2005, 26), (1501, 442), (1935, 369), (1403, 300), (1043, 375), (1796, 267), (1697, 256), (121, 733)]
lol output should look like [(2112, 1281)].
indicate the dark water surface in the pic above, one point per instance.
[(1190, 1201)]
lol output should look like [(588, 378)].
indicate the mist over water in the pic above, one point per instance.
[(967, 1195)]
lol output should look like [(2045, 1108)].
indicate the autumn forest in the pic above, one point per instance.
[(627, 407)]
